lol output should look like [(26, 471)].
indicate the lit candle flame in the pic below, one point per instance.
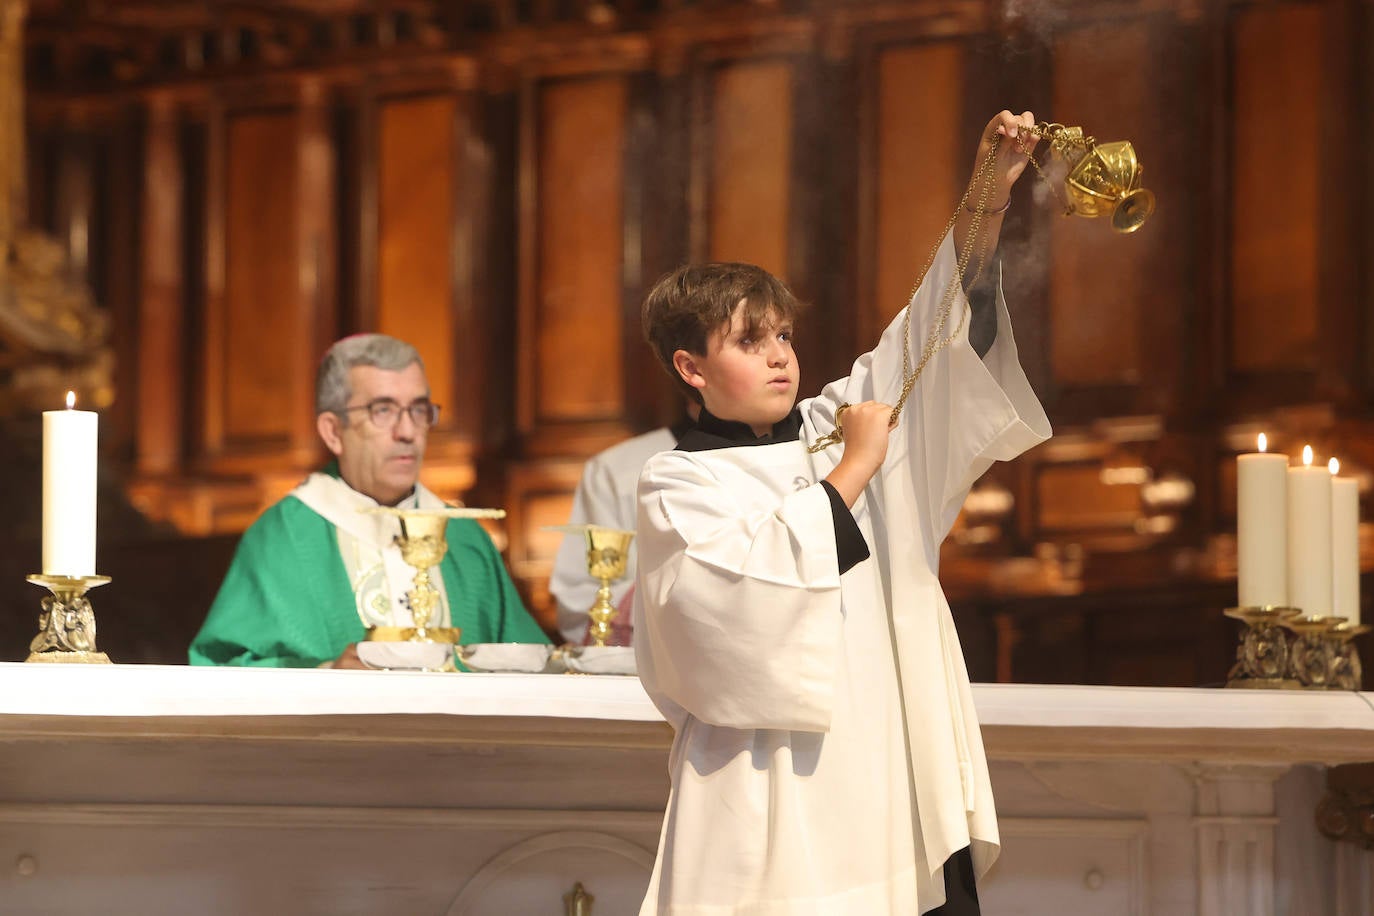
[(71, 399), (1307, 456), (1263, 442), (1334, 467)]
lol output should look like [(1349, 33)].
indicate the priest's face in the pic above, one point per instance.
[(380, 457), (747, 376)]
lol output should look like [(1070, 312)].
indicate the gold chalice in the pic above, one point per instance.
[(423, 544), (608, 550)]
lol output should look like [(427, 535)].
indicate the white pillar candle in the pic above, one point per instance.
[(1345, 545), (1309, 537), (1262, 528), (69, 455)]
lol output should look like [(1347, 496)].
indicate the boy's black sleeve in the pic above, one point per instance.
[(982, 301), (850, 547)]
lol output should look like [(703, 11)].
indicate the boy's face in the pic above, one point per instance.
[(749, 379)]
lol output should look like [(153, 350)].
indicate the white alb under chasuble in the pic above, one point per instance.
[(827, 757), (379, 577)]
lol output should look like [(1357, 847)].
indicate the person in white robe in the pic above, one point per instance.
[(605, 496), (827, 756)]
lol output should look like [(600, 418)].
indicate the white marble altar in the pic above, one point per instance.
[(150, 790)]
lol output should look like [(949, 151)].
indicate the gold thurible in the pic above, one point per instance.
[(1103, 179)]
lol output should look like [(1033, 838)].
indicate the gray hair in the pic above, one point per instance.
[(379, 350)]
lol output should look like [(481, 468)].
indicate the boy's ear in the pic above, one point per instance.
[(686, 365)]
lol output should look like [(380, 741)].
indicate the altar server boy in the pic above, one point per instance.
[(788, 616)]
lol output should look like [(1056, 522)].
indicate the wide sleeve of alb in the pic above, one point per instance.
[(964, 412), (738, 617)]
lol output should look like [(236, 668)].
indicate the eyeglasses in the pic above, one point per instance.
[(385, 413)]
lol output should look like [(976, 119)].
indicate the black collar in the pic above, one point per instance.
[(711, 432)]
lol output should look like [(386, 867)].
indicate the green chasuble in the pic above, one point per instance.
[(286, 601)]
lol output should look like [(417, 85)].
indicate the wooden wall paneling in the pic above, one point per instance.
[(654, 219), (1341, 222), (159, 353), (417, 187), (212, 315), (315, 220), (74, 196), (571, 372), (1101, 285), (1362, 35), (252, 334), (120, 214), (750, 126), (494, 288), (916, 167), (1276, 74), (661, 118), (810, 263), (365, 233), (1167, 246), (831, 114)]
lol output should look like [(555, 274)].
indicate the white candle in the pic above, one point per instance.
[(69, 454), (1345, 545), (1262, 528), (1309, 537)]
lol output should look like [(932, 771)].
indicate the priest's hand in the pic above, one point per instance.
[(866, 427), (348, 658)]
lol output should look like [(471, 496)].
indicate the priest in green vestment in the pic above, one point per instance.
[(314, 572)]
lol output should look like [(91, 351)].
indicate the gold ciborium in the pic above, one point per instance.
[(1102, 179), (423, 543)]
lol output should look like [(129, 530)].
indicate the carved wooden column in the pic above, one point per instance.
[(1236, 825), (161, 292)]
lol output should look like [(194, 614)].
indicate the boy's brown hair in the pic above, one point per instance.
[(688, 305)]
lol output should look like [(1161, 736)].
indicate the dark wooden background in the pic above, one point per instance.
[(499, 180)]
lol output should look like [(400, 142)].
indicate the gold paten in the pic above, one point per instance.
[(67, 624)]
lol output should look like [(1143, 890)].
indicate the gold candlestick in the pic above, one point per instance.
[(1262, 656), (67, 624), (1346, 673), (1309, 658)]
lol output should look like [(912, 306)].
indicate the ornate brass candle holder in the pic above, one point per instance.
[(1346, 672), (1262, 656), (1309, 657), (1103, 179), (67, 624), (423, 543)]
